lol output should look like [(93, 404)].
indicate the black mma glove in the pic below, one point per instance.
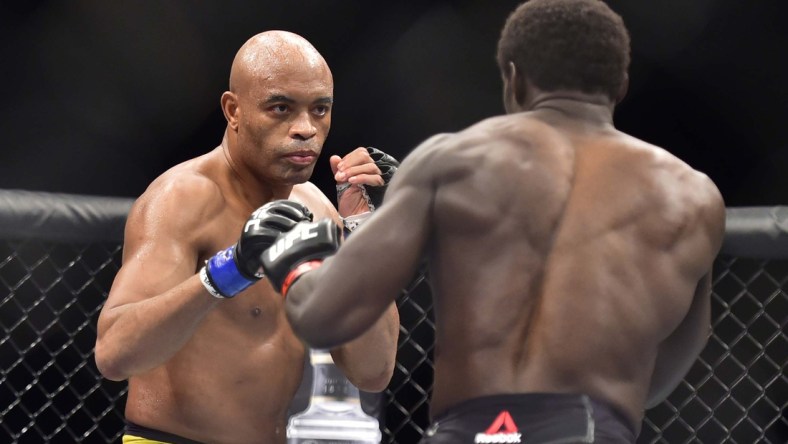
[(234, 269), (374, 195), (388, 166), (299, 250)]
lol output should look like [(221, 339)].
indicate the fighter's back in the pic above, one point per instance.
[(564, 253)]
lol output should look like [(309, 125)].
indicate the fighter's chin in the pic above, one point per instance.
[(300, 174)]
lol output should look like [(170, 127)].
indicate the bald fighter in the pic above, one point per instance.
[(190, 321), (570, 263)]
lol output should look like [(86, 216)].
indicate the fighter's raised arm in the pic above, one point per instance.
[(376, 262), (362, 177)]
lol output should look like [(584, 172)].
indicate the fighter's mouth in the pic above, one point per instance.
[(302, 157)]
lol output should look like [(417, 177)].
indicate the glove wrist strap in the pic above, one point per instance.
[(341, 188), (221, 276), (296, 273), (365, 194), (206, 282), (350, 223)]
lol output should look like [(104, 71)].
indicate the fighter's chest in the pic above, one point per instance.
[(258, 304)]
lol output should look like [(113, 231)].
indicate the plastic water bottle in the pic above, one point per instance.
[(334, 415)]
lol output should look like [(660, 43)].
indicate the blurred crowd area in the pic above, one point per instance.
[(101, 97)]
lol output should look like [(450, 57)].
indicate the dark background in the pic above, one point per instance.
[(100, 97)]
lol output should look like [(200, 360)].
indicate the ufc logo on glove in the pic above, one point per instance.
[(302, 231), (306, 243)]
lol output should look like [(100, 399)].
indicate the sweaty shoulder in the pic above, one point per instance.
[(677, 178), (178, 201), (493, 174), (493, 142), (683, 201)]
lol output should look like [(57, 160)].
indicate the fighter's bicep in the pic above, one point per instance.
[(161, 244), (151, 269), (405, 218), (408, 209)]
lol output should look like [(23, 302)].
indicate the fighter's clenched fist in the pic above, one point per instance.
[(299, 250), (232, 270)]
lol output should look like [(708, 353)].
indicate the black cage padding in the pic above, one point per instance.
[(756, 232), (62, 217)]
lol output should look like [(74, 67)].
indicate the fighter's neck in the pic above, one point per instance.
[(576, 106), (246, 187)]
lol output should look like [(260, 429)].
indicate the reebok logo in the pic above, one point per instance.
[(502, 430)]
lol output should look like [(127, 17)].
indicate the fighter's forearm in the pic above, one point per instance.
[(139, 336), (670, 369), (679, 351), (324, 316), (368, 361)]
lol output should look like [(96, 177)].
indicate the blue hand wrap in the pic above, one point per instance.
[(223, 276)]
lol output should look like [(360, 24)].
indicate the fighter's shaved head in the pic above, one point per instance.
[(271, 51)]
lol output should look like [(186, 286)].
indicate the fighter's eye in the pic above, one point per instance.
[(322, 110)]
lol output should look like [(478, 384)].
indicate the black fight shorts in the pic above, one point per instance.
[(137, 434), (530, 418)]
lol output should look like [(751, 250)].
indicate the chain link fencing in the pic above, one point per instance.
[(52, 287)]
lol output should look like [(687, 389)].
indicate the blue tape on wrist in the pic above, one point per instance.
[(225, 275)]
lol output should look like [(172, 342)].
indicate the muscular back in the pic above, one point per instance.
[(563, 255)]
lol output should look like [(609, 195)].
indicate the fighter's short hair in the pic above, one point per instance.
[(579, 45)]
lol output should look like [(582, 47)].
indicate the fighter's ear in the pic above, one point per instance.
[(514, 88), (229, 103)]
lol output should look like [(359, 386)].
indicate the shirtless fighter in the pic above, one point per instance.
[(198, 332), (570, 263)]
